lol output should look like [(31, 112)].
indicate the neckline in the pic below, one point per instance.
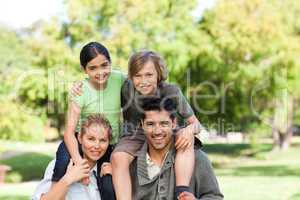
[(95, 90)]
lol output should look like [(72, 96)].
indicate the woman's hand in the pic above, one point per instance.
[(184, 138), (106, 169), (76, 172), (76, 89)]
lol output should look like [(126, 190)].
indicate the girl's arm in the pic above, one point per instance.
[(69, 135), (74, 173)]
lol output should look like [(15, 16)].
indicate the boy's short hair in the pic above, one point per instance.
[(158, 104), (140, 58), (98, 119)]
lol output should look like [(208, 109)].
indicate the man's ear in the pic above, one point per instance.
[(142, 123), (174, 123)]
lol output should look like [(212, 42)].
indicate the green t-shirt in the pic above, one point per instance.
[(107, 102)]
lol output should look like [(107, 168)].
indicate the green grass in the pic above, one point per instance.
[(250, 172), (14, 197), (26, 167)]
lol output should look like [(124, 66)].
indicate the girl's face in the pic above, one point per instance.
[(94, 142), (98, 70), (145, 80)]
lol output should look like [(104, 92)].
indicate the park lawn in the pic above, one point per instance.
[(255, 172), (244, 171)]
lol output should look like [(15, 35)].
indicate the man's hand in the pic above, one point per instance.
[(184, 138), (76, 172), (106, 169), (76, 89), (186, 196)]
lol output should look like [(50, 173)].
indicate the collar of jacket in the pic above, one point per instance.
[(142, 171)]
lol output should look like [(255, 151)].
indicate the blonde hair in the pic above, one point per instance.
[(98, 119), (140, 58)]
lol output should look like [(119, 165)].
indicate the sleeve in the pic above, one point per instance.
[(127, 94), (183, 106), (206, 181), (78, 99), (45, 184)]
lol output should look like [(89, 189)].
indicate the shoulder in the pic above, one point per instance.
[(200, 155), (127, 85), (117, 74), (169, 88), (50, 168), (201, 160)]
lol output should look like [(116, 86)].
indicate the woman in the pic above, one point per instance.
[(94, 139)]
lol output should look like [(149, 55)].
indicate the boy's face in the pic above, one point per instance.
[(98, 70), (145, 80), (158, 128)]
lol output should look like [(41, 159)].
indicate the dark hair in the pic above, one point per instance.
[(96, 119), (158, 104), (91, 51)]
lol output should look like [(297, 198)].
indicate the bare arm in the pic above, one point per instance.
[(57, 191), (69, 135), (193, 125), (186, 135), (74, 173)]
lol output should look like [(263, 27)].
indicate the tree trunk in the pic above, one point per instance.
[(282, 124)]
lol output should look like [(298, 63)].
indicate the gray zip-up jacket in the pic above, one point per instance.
[(204, 184)]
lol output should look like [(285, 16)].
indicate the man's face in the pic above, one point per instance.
[(158, 128)]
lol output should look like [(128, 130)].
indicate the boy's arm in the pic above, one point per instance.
[(186, 135), (69, 135)]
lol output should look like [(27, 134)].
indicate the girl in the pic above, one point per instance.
[(94, 139), (100, 94)]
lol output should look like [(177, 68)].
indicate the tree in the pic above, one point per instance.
[(249, 51)]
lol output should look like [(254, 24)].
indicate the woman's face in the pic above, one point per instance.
[(98, 70), (94, 142), (145, 80)]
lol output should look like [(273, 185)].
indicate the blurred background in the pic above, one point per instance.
[(237, 62)]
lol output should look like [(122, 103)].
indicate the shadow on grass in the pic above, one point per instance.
[(274, 170), (237, 149), (26, 167), (12, 197)]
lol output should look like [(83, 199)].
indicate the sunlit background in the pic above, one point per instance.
[(237, 62)]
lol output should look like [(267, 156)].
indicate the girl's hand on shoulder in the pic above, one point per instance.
[(76, 172), (184, 138), (106, 169), (76, 89)]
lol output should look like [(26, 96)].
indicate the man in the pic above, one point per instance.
[(152, 171)]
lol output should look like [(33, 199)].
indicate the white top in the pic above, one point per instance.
[(76, 190), (153, 169)]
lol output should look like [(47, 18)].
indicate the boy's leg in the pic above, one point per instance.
[(121, 177), (61, 163), (184, 168)]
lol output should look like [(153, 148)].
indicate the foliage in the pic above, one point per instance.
[(236, 64), (19, 123), (244, 57)]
